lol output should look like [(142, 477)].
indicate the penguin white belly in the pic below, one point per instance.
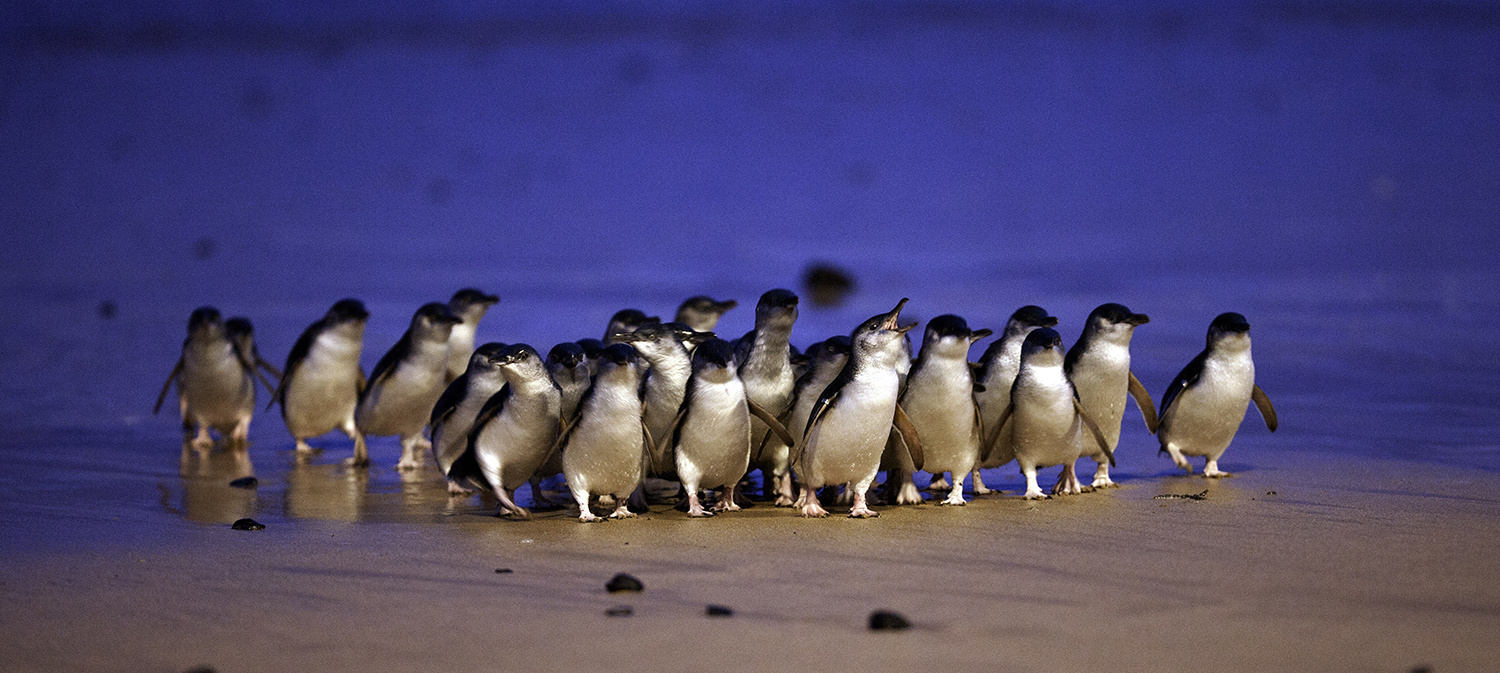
[(451, 438), (713, 447), (605, 451), (324, 389), (216, 390), (846, 444), (1103, 383), (1205, 417), (943, 412), (513, 446), (402, 405), (1046, 430), (992, 402), (460, 347)]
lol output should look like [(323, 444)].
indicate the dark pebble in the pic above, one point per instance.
[(623, 582), (881, 620), (719, 611), (245, 482), (502, 571), (248, 524), (619, 611), (1270, 492)]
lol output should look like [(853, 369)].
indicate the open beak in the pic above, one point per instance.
[(894, 315)]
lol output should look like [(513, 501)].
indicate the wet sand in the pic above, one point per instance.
[(1296, 563)]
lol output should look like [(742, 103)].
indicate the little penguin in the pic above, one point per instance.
[(407, 382), (1048, 423), (997, 371), (851, 419), (517, 429), (568, 364), (939, 399), (711, 434), (702, 313), (242, 333), (1098, 364), (626, 321), (215, 380), (469, 305), (1203, 408), (604, 450), (827, 359), (765, 365), (666, 384), (591, 349), (453, 415), (322, 380)]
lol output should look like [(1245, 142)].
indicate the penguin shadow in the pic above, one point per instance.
[(206, 492)]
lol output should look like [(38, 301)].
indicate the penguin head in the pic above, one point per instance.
[(433, 321), (626, 321), (347, 311), (618, 355), (566, 355), (471, 304), (834, 347), (486, 356), (240, 331), (1112, 321), (703, 311), (591, 347), (777, 306), (883, 335), (687, 336), (205, 321), (951, 334), (651, 340), (713, 354), (1229, 330), (518, 354), (1042, 346), (1028, 318)]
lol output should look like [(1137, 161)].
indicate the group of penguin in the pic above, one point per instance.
[(673, 402)]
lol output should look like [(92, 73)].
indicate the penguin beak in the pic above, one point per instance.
[(890, 318), (1138, 319), (979, 334), (1050, 322)]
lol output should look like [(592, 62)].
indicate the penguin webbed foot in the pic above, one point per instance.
[(863, 512), (622, 512), (954, 501), (939, 484)]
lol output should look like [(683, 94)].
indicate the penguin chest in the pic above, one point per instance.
[(460, 347), (215, 386), (941, 405), (324, 387), (401, 404), (713, 443), (664, 392), (518, 440), (847, 442), (606, 448), (1046, 426), (1205, 417), (1102, 379)]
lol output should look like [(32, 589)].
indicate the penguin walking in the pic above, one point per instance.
[(665, 387), (765, 357), (454, 413), (939, 399), (1048, 422), (702, 313), (846, 432), (1098, 364), (215, 377), (322, 380), (516, 431), (469, 305), (1203, 408), (997, 371), (407, 382), (604, 450), (242, 333), (711, 434)]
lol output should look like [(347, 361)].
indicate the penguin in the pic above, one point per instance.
[(765, 366), (1098, 364), (997, 371), (215, 380), (711, 433), (847, 429), (702, 313), (666, 384), (322, 380), (242, 333), (939, 399), (591, 349), (517, 429), (1203, 408), (626, 321), (1046, 420), (826, 359), (454, 413), (604, 450), (469, 305), (407, 382), (568, 364)]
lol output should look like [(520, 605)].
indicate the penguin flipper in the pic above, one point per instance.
[(1185, 379), (492, 408), (1262, 403), (1143, 402), (448, 402), (270, 368), (658, 451), (909, 435), (771, 422), (989, 444), (387, 364), (1094, 430), (176, 372)]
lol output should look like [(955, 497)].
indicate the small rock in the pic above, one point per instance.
[(502, 571), (719, 611), (245, 482), (1270, 492), (624, 582), (882, 620), (248, 524), (619, 611)]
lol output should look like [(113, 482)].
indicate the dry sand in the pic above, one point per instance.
[(1295, 564)]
